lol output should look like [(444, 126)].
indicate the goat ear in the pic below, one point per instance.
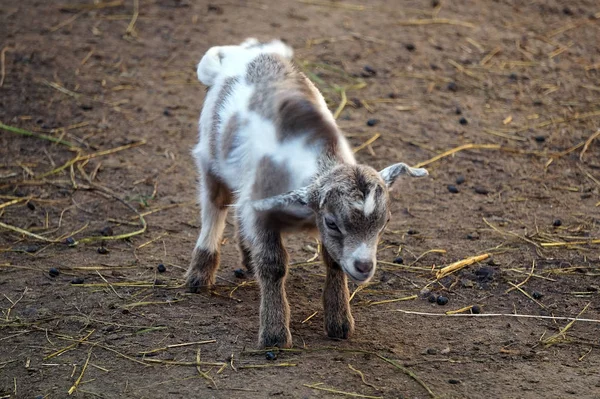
[(391, 173), (298, 197)]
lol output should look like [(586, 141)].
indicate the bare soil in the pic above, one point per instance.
[(524, 75)]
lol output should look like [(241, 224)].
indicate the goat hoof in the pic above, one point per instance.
[(338, 331), (197, 284), (281, 339)]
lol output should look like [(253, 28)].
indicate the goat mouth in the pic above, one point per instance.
[(358, 277)]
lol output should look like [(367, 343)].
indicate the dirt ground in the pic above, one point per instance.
[(513, 86)]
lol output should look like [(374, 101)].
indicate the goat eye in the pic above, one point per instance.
[(331, 224)]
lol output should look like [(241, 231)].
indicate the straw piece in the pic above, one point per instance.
[(526, 316), (362, 377), (565, 244), (460, 265), (337, 391), (587, 144), (406, 298), (458, 149), (436, 21), (461, 310), (27, 233), (367, 143), (136, 12), (342, 105), (76, 384), (334, 4), (310, 317), (3, 64), (23, 132), (561, 334), (264, 366), (202, 373), (92, 6)]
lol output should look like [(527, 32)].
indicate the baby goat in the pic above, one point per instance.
[(270, 148)]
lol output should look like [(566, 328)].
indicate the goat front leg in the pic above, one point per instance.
[(270, 259), (245, 252), (339, 323), (214, 198)]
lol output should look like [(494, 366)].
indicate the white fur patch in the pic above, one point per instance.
[(370, 204)]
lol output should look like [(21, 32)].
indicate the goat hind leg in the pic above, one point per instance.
[(214, 198)]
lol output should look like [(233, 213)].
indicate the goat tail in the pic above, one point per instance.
[(209, 66)]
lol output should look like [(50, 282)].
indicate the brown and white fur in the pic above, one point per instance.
[(270, 148)]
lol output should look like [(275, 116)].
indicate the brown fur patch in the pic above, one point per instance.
[(271, 179), (224, 93), (286, 97), (230, 133), (201, 272), (220, 195)]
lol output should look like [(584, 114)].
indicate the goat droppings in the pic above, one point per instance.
[(453, 189), (53, 272), (270, 356), (161, 268), (239, 273), (442, 300)]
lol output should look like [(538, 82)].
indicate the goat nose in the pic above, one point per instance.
[(362, 266)]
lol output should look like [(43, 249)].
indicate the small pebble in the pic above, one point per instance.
[(86, 107), (410, 47), (453, 381), (460, 179), (557, 223), (399, 260), (70, 241), (458, 111), (431, 351), (567, 11), (370, 71), (476, 309), (463, 121), (432, 298), (513, 76), (481, 190), (161, 268), (452, 86), (537, 295), (239, 273), (31, 206), (270, 356), (473, 236), (102, 250), (372, 122), (453, 189), (442, 300), (412, 232), (32, 249), (107, 231), (540, 139), (77, 280), (167, 112), (53, 272), (538, 103)]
